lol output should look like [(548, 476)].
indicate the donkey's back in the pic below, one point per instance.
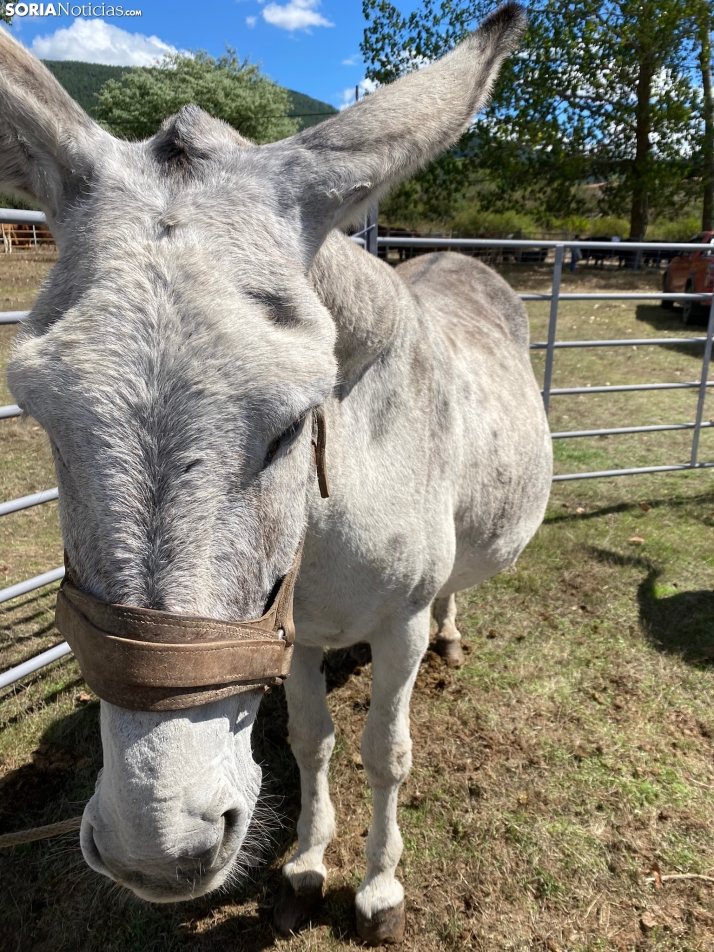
[(471, 299), (502, 463)]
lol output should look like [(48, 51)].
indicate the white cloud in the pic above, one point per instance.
[(366, 86), (295, 15), (251, 21), (94, 41), (352, 60)]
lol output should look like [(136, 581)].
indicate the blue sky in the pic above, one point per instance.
[(308, 45)]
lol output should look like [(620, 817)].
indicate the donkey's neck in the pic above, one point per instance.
[(367, 300)]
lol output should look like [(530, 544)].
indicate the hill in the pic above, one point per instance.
[(310, 111), (84, 80)]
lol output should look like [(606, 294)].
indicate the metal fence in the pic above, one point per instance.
[(368, 238), (24, 236), (551, 344)]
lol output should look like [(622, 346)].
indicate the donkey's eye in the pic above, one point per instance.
[(285, 439)]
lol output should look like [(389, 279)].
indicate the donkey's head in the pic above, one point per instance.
[(173, 358)]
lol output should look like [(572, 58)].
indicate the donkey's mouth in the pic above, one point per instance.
[(184, 888), (175, 879)]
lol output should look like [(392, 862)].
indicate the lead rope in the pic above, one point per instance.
[(40, 833)]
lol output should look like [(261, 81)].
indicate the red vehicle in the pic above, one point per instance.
[(693, 273)]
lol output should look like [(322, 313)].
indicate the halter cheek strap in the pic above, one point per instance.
[(148, 660)]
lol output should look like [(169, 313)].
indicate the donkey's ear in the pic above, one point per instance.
[(343, 164), (46, 139)]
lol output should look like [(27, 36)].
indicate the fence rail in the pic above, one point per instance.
[(32, 231), (368, 238), (551, 345), (21, 216), (24, 588), (613, 246), (25, 502)]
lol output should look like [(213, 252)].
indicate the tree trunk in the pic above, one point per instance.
[(705, 60), (639, 211)]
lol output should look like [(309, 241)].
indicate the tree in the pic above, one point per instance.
[(638, 111), (393, 45), (600, 89), (135, 105), (704, 23)]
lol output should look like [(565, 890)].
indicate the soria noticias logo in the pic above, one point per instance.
[(67, 9)]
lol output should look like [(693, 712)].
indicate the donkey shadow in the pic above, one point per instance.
[(675, 623), (679, 623), (60, 779)]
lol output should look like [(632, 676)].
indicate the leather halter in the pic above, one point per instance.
[(147, 660)]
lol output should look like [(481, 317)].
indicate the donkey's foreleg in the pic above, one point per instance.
[(312, 739), (386, 755), (448, 636)]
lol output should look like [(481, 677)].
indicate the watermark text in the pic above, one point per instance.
[(68, 9)]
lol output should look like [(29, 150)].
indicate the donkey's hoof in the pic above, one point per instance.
[(451, 652), (292, 910), (385, 927)]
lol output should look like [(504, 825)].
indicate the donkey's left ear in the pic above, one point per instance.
[(339, 167), (48, 144)]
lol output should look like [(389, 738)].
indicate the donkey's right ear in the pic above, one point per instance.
[(47, 142)]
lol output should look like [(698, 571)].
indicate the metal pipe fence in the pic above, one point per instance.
[(32, 233), (25, 502), (551, 344), (368, 238)]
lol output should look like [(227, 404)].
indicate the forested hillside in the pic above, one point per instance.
[(310, 111), (84, 80)]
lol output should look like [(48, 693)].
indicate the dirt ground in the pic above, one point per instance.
[(562, 795)]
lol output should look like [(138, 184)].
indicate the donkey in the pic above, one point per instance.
[(202, 306)]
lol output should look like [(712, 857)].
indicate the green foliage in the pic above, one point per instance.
[(10, 200), (83, 81), (135, 105), (604, 85), (609, 225), (678, 230), (472, 221), (601, 90)]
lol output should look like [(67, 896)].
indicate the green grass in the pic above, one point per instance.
[(572, 753)]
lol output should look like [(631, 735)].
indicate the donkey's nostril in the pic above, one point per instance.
[(90, 850), (233, 831), (231, 819)]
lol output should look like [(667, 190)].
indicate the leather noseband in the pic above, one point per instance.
[(147, 660)]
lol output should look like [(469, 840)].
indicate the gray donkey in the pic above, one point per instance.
[(201, 307)]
